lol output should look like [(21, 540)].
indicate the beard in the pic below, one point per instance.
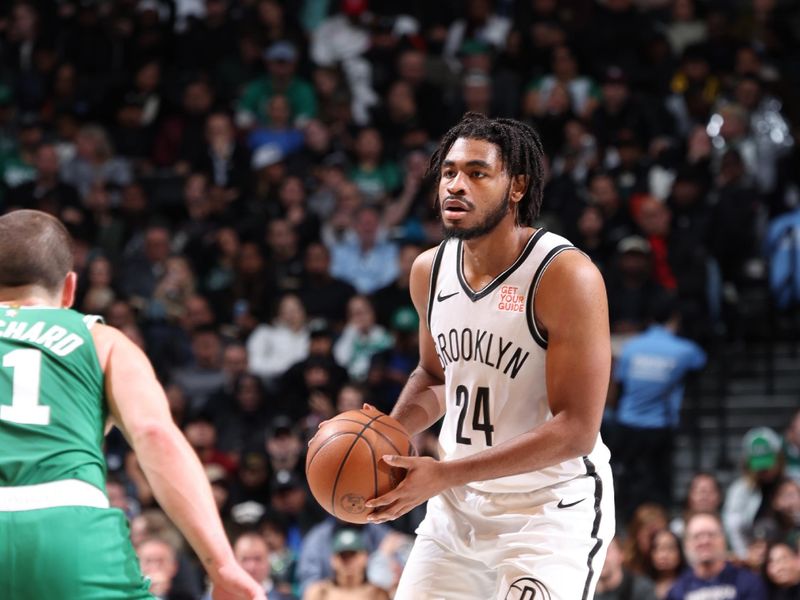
[(489, 222)]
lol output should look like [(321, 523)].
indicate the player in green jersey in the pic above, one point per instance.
[(64, 378)]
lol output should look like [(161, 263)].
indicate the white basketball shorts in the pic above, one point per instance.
[(549, 544)]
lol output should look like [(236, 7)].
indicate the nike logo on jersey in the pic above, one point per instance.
[(562, 505), (441, 298)]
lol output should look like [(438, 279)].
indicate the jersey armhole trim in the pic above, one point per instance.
[(537, 277), (91, 320), (437, 262)]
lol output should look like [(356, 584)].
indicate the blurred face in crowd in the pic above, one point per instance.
[(317, 136), (615, 94), (24, 21), (47, 162), (411, 67), (198, 313), (704, 541), (783, 566), (349, 398), (786, 500), (291, 312), (279, 112), (665, 552), (201, 435), (400, 101), (197, 98), (604, 193), (367, 226), (251, 261), (408, 255), (195, 195), (292, 192), (317, 260), (158, 562), (100, 272), (682, 10), (252, 554), (234, 360), (360, 313), (281, 238), (654, 217), (590, 223), (564, 65), (219, 130), (793, 432), (156, 244), (369, 145), (206, 349), (704, 494)]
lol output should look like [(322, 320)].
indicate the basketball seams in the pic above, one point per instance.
[(331, 438), (359, 435)]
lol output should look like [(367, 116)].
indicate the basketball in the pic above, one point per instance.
[(344, 466)]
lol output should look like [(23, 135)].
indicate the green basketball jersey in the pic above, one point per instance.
[(52, 401)]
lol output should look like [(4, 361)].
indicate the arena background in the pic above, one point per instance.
[(245, 184)]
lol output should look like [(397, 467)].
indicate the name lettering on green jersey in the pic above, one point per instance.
[(55, 338)]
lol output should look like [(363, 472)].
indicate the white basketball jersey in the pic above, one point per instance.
[(493, 357)]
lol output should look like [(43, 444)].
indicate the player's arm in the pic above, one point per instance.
[(419, 406), (571, 306), (139, 408)]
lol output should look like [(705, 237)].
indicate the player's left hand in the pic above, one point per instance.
[(425, 478)]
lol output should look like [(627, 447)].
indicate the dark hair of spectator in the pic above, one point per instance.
[(520, 148), (36, 250)]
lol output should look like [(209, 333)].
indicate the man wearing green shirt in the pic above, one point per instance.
[(281, 58)]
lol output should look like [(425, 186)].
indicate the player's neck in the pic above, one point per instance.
[(27, 295), (493, 253)]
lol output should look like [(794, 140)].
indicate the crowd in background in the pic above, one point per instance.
[(245, 182)]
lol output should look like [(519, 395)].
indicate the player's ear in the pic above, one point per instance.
[(519, 185), (68, 290)]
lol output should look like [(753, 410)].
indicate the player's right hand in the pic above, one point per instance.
[(231, 582)]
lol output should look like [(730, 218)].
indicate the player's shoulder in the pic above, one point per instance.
[(107, 339), (572, 267)]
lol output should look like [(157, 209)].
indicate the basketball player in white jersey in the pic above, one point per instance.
[(514, 323)]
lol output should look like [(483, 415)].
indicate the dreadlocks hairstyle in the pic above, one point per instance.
[(520, 148)]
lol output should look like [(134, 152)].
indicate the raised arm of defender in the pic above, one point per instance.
[(139, 408)]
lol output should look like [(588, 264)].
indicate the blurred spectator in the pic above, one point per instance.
[(649, 375), (283, 560), (704, 495), (204, 377), (782, 572), (252, 553), (158, 561), (285, 254), (694, 90), (142, 271), (750, 495), (201, 433), (685, 28), (243, 416), (95, 161), (291, 501), (646, 520), (389, 370), (479, 23), (47, 191), (386, 564), (387, 300), (583, 92), (618, 583), (376, 177), (710, 572), (273, 348), (344, 39), (323, 295), (361, 338), (365, 257), (281, 62), (224, 160), (180, 135), (632, 291), (349, 563), (791, 447), (314, 563), (98, 294), (666, 561)]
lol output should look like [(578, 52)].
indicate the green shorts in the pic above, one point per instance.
[(71, 552)]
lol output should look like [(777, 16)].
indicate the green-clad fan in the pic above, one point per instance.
[(63, 378)]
